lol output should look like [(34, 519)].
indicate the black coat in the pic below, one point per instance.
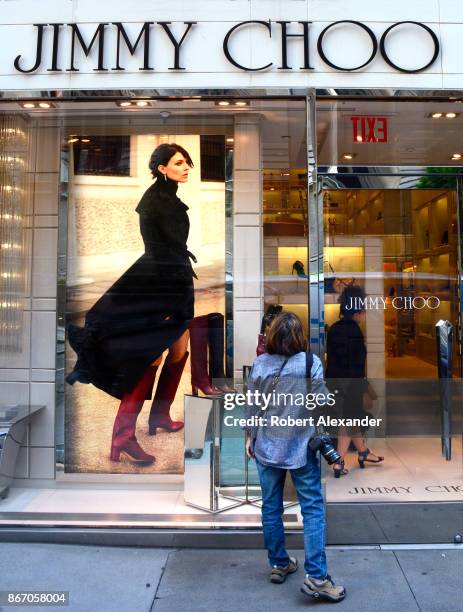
[(148, 308), (345, 366)]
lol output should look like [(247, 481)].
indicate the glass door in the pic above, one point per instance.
[(391, 261)]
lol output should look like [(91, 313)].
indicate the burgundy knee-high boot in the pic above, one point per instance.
[(199, 338), (124, 441), (166, 389)]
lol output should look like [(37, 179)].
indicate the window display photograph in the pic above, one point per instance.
[(140, 340), (159, 256)]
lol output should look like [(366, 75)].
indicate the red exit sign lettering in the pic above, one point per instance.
[(369, 129)]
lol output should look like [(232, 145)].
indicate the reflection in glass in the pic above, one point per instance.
[(400, 246)]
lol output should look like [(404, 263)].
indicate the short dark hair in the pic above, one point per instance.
[(162, 154), (349, 300), (286, 335)]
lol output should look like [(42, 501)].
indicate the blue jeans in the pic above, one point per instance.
[(308, 486)]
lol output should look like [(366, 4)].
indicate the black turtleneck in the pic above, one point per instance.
[(166, 185), (164, 227)]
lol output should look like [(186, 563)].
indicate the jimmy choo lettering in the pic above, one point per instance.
[(94, 46)]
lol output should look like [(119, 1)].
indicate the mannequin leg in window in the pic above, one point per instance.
[(199, 342), (167, 386), (216, 352)]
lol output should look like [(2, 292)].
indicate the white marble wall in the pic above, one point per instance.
[(248, 270), (29, 376)]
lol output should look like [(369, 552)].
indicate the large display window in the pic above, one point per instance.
[(244, 153), (386, 222)]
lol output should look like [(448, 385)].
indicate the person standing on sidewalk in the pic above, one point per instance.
[(276, 449)]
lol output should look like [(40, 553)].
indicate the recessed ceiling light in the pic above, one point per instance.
[(85, 139), (44, 105), (451, 115), (142, 103), (348, 156), (457, 156), (124, 103), (71, 140), (230, 140), (223, 103), (241, 103), (436, 115)]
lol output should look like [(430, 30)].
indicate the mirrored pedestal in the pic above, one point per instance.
[(202, 456)]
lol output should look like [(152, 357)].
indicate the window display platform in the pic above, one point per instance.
[(122, 508), (413, 471)]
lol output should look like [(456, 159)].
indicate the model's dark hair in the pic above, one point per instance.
[(349, 301), (286, 335), (161, 155)]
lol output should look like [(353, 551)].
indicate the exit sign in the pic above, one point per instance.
[(369, 129)]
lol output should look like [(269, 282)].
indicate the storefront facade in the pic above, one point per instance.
[(326, 153)]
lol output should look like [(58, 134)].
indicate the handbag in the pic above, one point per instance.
[(272, 311)]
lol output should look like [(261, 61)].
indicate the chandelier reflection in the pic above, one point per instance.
[(13, 210)]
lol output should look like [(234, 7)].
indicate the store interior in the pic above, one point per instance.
[(390, 225)]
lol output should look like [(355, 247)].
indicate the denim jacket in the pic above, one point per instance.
[(281, 445)]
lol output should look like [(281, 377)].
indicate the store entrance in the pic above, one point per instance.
[(396, 250)]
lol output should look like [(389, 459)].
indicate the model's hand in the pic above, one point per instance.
[(249, 451)]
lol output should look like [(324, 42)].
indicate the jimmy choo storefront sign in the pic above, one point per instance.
[(108, 46)]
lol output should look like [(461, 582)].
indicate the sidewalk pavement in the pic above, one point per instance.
[(108, 579)]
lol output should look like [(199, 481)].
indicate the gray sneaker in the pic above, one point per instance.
[(323, 589), (278, 573)]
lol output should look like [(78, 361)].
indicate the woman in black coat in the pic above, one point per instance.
[(146, 311), (346, 373)]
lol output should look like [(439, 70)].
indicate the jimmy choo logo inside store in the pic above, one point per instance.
[(405, 490), (398, 303), (109, 43)]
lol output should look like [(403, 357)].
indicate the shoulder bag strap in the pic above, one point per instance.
[(276, 378), (308, 369)]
